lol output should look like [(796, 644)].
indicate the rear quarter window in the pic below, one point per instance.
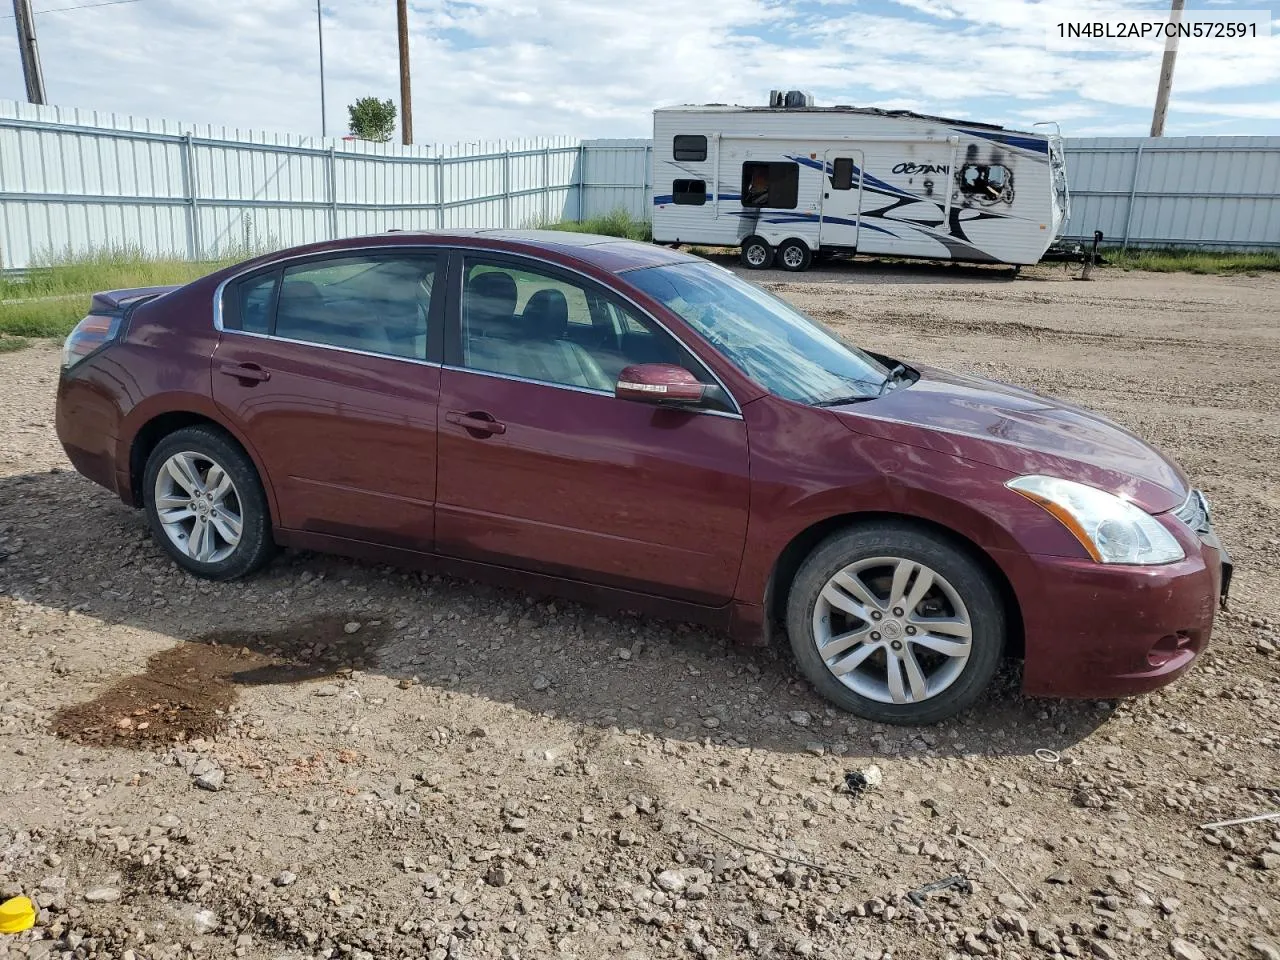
[(250, 303)]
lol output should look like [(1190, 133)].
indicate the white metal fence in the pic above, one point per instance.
[(1205, 192), (73, 180)]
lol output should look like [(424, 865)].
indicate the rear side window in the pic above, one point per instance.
[(689, 147), (773, 184), (689, 192), (379, 304)]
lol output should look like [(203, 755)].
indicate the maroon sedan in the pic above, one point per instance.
[(623, 423)]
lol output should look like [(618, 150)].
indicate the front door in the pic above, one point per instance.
[(541, 467), (841, 199), (323, 365)]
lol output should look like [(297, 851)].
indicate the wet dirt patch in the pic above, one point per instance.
[(185, 692)]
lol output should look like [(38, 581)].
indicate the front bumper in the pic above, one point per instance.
[(1093, 630)]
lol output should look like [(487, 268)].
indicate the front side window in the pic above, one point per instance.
[(775, 185), (778, 347), (544, 326), (372, 302), (690, 148)]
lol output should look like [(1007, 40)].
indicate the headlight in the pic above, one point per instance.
[(1111, 529)]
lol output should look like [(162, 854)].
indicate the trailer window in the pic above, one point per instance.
[(986, 183), (774, 185), (842, 173), (691, 193), (689, 147)]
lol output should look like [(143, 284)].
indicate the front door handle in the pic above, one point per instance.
[(476, 423), (245, 371)]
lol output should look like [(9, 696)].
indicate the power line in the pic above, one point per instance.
[(83, 6)]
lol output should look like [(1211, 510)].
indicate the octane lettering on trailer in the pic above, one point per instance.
[(909, 168)]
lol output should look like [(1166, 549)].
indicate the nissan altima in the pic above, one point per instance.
[(626, 424)]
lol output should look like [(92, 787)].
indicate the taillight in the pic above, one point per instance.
[(90, 333)]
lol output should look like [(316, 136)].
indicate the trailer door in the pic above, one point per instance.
[(841, 198)]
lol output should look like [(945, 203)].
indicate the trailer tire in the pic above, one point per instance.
[(794, 255), (756, 254)]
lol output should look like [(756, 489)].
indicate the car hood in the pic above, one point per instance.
[(1022, 432)]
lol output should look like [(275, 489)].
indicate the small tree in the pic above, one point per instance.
[(372, 119)]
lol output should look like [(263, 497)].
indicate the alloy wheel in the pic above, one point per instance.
[(198, 507), (757, 255), (892, 630), (793, 257)]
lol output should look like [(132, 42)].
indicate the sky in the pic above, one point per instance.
[(502, 69)]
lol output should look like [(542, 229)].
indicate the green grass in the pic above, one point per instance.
[(54, 292), (1193, 261), (619, 223)]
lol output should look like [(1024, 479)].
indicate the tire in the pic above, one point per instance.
[(794, 255), (756, 254), (875, 555), (174, 524)]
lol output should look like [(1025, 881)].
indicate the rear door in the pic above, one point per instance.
[(841, 199), (329, 367), (541, 467)]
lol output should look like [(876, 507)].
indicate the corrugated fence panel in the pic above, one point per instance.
[(1194, 192), (77, 180), (615, 175), (72, 181)]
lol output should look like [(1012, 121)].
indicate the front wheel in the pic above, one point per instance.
[(205, 504), (895, 624), (757, 254)]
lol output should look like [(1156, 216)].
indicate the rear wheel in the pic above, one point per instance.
[(756, 254), (895, 624), (794, 255), (205, 504)]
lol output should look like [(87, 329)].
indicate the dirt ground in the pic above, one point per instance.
[(344, 760)]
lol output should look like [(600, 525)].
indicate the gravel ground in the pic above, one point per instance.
[(355, 761)]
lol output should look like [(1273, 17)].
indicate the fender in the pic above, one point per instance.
[(179, 402), (862, 474)]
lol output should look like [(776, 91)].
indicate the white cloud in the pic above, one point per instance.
[(1252, 111), (497, 69)]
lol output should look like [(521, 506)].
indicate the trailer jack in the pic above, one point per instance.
[(1093, 257)]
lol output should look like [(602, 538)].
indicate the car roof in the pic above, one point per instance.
[(613, 254)]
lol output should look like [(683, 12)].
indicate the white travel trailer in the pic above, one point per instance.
[(790, 181)]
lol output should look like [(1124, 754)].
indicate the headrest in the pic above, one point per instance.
[(546, 316), (299, 290)]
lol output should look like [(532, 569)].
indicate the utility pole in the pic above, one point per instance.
[(1166, 73), (406, 97), (324, 129), (27, 50)]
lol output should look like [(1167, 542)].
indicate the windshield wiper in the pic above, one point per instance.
[(838, 401)]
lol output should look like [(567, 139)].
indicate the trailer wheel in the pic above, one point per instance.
[(756, 254), (794, 255)]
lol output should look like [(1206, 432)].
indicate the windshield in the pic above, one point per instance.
[(775, 345)]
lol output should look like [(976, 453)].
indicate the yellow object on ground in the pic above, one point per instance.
[(17, 915)]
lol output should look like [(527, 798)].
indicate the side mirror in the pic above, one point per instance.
[(660, 383)]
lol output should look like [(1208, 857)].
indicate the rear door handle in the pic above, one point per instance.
[(245, 371), (477, 423)]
